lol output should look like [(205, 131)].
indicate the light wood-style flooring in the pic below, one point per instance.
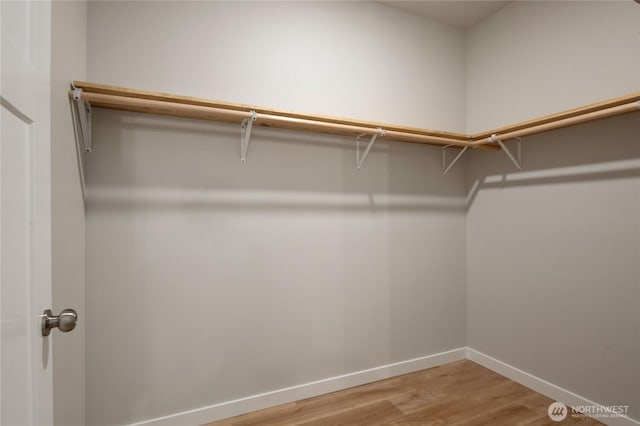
[(459, 393)]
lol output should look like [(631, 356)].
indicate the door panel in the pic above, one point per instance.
[(26, 391), (17, 389)]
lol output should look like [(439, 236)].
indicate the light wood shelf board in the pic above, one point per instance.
[(114, 97), (599, 106), (161, 107), (158, 96)]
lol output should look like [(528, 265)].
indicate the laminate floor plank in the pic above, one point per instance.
[(376, 413)]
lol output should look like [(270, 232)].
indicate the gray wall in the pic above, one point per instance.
[(533, 58), (553, 283), (232, 279), (68, 62), (345, 59)]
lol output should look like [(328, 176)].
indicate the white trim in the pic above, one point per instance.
[(307, 390), (542, 386)]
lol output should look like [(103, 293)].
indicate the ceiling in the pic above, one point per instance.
[(460, 14)]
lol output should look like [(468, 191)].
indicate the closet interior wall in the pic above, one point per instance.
[(553, 285), (293, 266), (528, 59), (231, 279)]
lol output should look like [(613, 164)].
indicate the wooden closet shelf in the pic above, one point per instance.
[(598, 110), (113, 97), (169, 98)]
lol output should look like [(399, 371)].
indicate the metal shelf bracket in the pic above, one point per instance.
[(516, 162), (82, 111), (445, 167), (245, 135), (359, 159)]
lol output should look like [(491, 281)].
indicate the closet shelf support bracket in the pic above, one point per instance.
[(516, 161), (245, 135), (445, 167), (82, 110), (359, 159)]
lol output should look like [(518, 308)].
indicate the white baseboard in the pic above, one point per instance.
[(282, 396), (542, 386), (307, 390)]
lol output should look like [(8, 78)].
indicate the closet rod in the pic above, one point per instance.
[(585, 109), (141, 94), (565, 122), (181, 106), (262, 119)]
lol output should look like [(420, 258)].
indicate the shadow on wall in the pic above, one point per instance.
[(603, 150), (162, 162)]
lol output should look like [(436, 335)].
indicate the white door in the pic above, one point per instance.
[(25, 213)]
